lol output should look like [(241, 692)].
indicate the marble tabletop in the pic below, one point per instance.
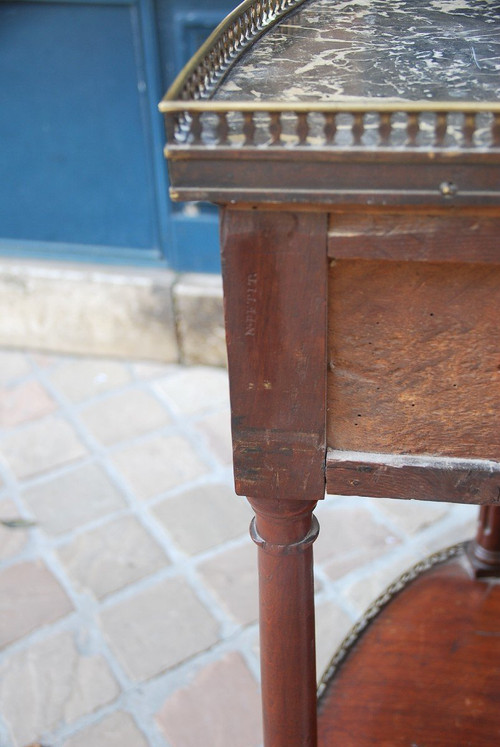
[(338, 50), (343, 97)]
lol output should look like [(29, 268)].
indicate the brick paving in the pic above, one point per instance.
[(128, 608)]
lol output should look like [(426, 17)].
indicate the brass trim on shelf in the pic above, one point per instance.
[(353, 106)]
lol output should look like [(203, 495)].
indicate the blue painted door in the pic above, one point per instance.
[(81, 169)]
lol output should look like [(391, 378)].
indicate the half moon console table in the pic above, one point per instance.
[(354, 149)]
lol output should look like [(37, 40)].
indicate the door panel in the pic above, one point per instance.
[(77, 167), (82, 172)]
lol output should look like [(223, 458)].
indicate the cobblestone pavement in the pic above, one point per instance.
[(128, 610)]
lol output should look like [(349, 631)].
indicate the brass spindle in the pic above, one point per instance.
[(234, 36), (469, 129), (222, 128), (302, 127), (212, 64), (358, 127), (227, 47), (495, 130), (385, 128), (249, 128), (412, 127), (253, 22), (221, 53), (330, 127), (171, 126), (195, 85), (440, 129), (247, 24), (237, 35), (202, 79), (275, 128), (196, 128)]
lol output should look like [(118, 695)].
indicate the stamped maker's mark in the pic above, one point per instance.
[(251, 305)]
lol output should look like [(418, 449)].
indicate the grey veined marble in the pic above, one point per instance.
[(396, 49)]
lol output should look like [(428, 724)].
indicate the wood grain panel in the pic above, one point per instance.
[(413, 477), (452, 236), (274, 267), (414, 358), (229, 175)]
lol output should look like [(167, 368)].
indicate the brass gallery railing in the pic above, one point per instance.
[(236, 32), (369, 124), (193, 118)]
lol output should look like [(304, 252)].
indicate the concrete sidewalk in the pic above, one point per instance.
[(128, 610)]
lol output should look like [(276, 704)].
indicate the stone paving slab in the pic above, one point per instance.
[(11, 543), (116, 730), (24, 402), (158, 628), (111, 556), (50, 682), (41, 446), (231, 576), (128, 610), (66, 501), (30, 597), (225, 698), (188, 517), (124, 416), (159, 463)]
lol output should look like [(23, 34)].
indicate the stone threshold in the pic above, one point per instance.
[(122, 312)]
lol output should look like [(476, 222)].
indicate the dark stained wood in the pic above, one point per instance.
[(275, 282), (343, 177), (284, 532), (484, 552), (451, 236), (274, 271), (414, 358), (413, 349), (414, 478), (426, 672)]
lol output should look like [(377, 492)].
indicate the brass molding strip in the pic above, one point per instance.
[(361, 106)]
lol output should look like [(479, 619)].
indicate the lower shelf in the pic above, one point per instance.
[(426, 670)]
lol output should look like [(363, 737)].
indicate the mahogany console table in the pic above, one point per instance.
[(354, 149)]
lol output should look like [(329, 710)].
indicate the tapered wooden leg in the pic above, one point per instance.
[(284, 532), (484, 551)]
